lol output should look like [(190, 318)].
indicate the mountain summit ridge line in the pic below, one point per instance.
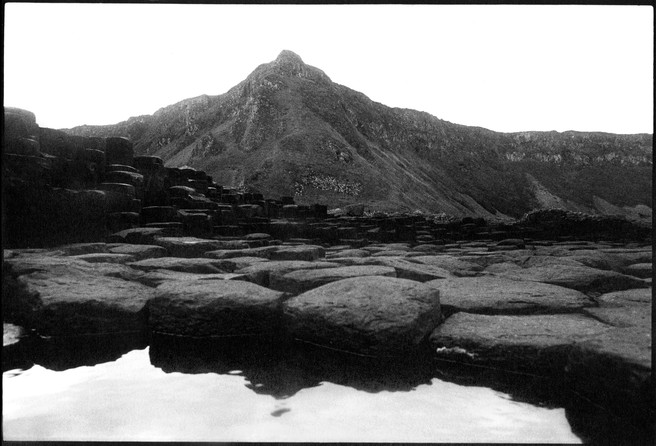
[(287, 129)]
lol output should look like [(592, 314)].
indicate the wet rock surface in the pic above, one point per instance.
[(299, 281), (214, 308), (517, 323), (497, 295), (538, 344), (581, 278), (365, 315)]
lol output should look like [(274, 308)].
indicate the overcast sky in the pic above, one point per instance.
[(506, 68)]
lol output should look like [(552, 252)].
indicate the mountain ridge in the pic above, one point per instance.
[(287, 129)]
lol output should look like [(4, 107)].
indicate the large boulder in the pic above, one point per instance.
[(535, 344), (299, 281), (581, 278), (377, 316), (207, 308), (498, 295)]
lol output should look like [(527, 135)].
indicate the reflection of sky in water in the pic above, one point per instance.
[(129, 399)]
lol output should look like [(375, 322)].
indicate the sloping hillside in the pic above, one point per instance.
[(289, 130)]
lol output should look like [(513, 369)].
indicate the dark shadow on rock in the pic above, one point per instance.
[(16, 356), (282, 369), (521, 387), (597, 425), (66, 352), (593, 423)]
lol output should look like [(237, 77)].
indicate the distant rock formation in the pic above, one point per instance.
[(289, 130)]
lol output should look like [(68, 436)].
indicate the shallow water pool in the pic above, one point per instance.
[(131, 399)]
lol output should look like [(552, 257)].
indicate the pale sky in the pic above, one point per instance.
[(506, 68)]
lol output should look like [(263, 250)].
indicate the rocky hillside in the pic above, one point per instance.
[(287, 129)]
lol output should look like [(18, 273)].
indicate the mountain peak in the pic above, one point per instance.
[(288, 56), (288, 63)]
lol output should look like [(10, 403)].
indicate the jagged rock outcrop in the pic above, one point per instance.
[(289, 130)]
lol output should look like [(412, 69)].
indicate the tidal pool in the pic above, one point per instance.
[(131, 399)]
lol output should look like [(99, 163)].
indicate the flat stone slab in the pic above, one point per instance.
[(405, 269), (595, 259), (452, 264), (185, 265), (56, 263), (387, 247), (581, 278), (636, 315), (83, 248), (157, 277), (263, 252), (532, 261), (232, 244), (614, 369), (391, 253), (637, 296), (207, 308), (536, 344), (631, 256), (105, 258), (188, 247), (348, 253), (259, 273), (137, 236), (428, 248), (297, 282), (243, 262), (300, 252), (485, 259), (377, 316), (70, 300), (642, 270), (497, 295), (139, 252)]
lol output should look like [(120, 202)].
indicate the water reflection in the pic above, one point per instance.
[(281, 369), (176, 375), (129, 399), (64, 352)]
